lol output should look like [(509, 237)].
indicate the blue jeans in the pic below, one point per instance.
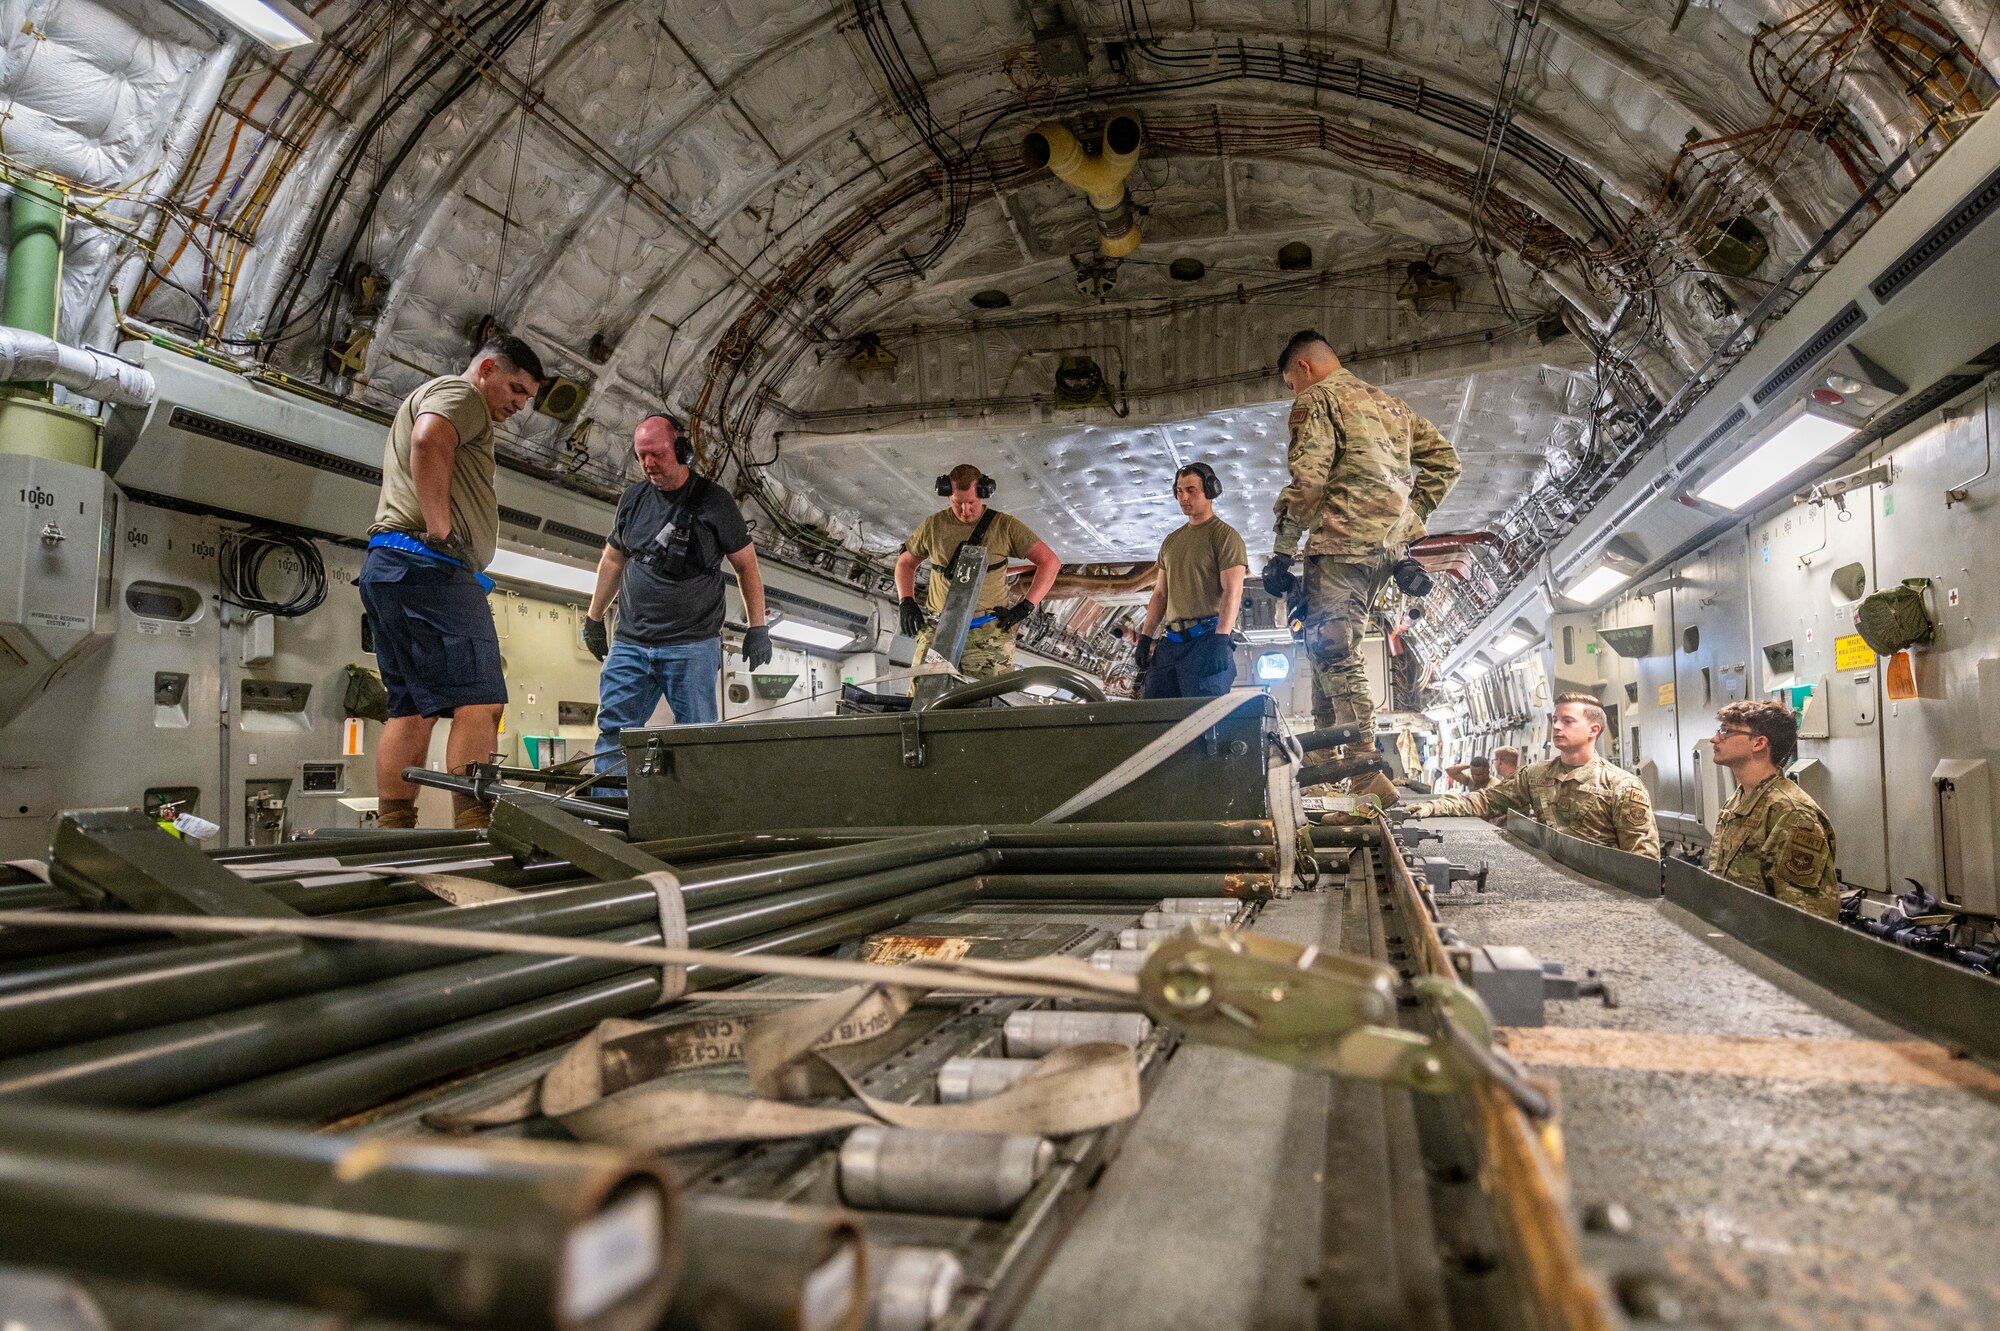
[(1203, 667), (635, 678)]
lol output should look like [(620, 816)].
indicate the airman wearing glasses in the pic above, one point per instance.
[(1770, 836)]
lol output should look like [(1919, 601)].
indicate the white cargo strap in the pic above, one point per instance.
[(1078, 1088), (591, 1092), (1158, 751), (673, 930), (457, 890), (1281, 788), (1049, 977), (439, 880), (35, 869)]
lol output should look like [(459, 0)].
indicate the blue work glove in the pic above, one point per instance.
[(756, 646), (595, 639), (1014, 614), (1278, 576)]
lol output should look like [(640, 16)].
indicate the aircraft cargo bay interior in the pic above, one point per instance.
[(805, 665)]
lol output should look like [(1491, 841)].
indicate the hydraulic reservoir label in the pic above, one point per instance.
[(1852, 653), (50, 619)]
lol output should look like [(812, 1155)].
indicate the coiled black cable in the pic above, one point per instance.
[(241, 562)]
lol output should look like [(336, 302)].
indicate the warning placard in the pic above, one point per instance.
[(1852, 653)]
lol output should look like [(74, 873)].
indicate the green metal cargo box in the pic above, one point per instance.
[(975, 765)]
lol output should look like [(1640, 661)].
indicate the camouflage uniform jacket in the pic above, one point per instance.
[(1595, 802), (1353, 450), (1772, 838)]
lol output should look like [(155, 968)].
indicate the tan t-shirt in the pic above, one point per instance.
[(475, 507), (1192, 561), (938, 535)]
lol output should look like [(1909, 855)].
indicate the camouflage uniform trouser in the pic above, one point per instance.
[(989, 652), (1340, 598)]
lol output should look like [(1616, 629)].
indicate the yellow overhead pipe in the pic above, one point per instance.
[(1099, 175)]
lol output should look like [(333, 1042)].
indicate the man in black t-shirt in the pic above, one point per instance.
[(663, 564)]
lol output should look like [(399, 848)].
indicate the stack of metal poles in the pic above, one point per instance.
[(306, 1032), (576, 1240)]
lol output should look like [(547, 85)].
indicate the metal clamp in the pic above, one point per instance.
[(912, 728), (1330, 1012)]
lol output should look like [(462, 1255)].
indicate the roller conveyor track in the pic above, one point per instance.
[(1406, 1235)]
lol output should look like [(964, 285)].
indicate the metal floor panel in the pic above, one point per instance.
[(1210, 1215), (1766, 1201)]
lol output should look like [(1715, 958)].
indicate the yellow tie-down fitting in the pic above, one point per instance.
[(1327, 1011)]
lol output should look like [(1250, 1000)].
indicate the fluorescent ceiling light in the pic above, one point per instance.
[(517, 567), (1265, 637), (1799, 442), (1273, 666), (1513, 640), (1473, 669), (1043, 691), (812, 635), (1596, 584), (274, 23)]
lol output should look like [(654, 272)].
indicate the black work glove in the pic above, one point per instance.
[(1014, 614), (912, 616), (756, 646), (1143, 655), (452, 546), (1278, 576), (595, 639), (1413, 578)]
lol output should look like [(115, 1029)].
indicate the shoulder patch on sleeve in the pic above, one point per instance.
[(1804, 852)]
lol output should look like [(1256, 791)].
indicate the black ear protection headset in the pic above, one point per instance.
[(1210, 486), (683, 446), (983, 488)]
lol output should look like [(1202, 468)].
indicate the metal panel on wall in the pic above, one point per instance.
[(1918, 535), (1804, 563), (1649, 737), (144, 714), (1711, 658)]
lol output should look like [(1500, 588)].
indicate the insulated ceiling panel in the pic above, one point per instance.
[(1104, 492)]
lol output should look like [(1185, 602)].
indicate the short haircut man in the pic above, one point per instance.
[(662, 563), (1593, 710), (988, 650), (1506, 761), (1185, 648), (437, 524), (1772, 720), (1305, 340), (1769, 835), (1363, 472), (1577, 791), (514, 353)]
